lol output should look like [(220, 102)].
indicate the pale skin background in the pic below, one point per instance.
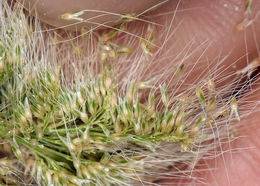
[(201, 20)]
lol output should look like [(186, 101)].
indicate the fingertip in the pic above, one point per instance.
[(97, 14)]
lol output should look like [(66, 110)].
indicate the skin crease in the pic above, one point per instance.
[(212, 22)]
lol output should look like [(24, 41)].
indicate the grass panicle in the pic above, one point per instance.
[(90, 128)]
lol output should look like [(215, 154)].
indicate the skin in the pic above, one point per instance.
[(49, 11), (203, 21), (210, 20)]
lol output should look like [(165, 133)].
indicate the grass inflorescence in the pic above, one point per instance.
[(87, 130)]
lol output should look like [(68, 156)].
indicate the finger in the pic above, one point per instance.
[(199, 34), (215, 22), (240, 164), (207, 27), (94, 12)]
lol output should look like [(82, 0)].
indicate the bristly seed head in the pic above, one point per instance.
[(88, 128)]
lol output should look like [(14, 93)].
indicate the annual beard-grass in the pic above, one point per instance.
[(94, 116)]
